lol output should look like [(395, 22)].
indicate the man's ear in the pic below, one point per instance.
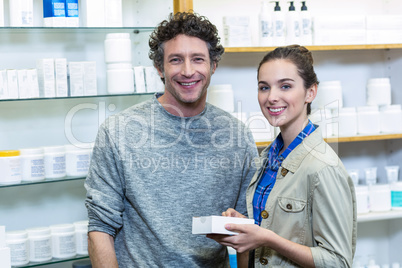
[(213, 68), (161, 75)]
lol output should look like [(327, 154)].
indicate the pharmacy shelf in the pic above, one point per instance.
[(348, 139), (38, 30), (316, 48), (378, 216), (25, 183), (53, 261), (80, 97), (364, 138)]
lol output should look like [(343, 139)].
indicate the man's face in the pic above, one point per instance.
[(187, 70)]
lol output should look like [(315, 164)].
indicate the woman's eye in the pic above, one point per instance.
[(286, 86), (264, 88)]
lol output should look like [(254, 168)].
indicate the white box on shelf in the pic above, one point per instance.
[(23, 88), (21, 13), (3, 85), (46, 77), (33, 85), (236, 31), (92, 13), (139, 78), (339, 37), (72, 18), (152, 80), (54, 13), (60, 70), (76, 70), (384, 22), (90, 79), (54, 22), (113, 13), (332, 22), (216, 224), (236, 20), (12, 84), (237, 36), (384, 36)]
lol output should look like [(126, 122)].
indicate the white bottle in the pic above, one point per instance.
[(1, 13), (265, 26), (5, 253), (278, 20), (292, 26), (306, 37)]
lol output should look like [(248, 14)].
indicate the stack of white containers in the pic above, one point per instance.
[(329, 95), (391, 118), (40, 244), (368, 120), (379, 116), (120, 75), (324, 119), (328, 101), (222, 96), (378, 91), (347, 120)]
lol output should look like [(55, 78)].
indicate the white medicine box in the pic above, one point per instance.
[(216, 224)]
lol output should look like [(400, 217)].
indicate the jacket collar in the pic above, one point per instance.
[(295, 158)]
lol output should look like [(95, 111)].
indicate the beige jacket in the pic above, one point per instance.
[(313, 203)]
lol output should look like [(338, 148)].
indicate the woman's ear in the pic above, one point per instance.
[(311, 93)]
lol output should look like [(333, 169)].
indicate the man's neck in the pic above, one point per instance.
[(182, 109)]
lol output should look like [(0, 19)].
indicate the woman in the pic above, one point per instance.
[(301, 198)]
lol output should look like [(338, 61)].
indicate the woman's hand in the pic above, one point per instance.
[(250, 236), (230, 212)]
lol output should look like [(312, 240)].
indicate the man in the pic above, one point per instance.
[(161, 162)]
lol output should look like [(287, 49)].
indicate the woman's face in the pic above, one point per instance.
[(282, 96)]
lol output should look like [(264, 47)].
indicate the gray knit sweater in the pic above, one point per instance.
[(151, 172)]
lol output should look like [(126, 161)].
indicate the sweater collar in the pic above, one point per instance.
[(172, 116)]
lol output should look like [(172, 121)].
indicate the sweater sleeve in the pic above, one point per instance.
[(333, 219), (249, 168), (105, 187)]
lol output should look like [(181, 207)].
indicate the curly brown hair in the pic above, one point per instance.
[(187, 23), (301, 57)]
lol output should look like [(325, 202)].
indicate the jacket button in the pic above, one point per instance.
[(284, 171), (289, 206), (263, 261), (264, 214)]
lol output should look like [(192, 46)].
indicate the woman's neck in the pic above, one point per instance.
[(290, 133)]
